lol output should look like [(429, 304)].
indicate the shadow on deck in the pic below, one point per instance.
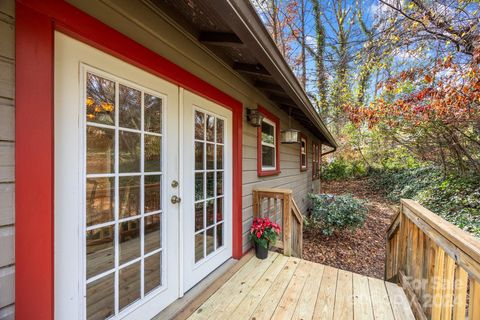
[(282, 287)]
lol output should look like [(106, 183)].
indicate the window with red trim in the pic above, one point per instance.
[(315, 161), (303, 153), (268, 137)]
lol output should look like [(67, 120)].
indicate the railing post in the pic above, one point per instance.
[(256, 212), (287, 224)]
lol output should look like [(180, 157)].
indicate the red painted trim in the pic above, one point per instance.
[(304, 167), (34, 149), (35, 24), (260, 172)]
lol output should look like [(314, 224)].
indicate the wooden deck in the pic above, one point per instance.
[(283, 287)]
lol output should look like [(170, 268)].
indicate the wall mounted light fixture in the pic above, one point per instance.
[(254, 117), (290, 135)]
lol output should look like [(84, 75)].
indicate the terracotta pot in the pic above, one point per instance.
[(261, 252)]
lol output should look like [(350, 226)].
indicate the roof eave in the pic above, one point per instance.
[(247, 25)]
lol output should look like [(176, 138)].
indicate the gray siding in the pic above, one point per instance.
[(156, 31), (7, 159)]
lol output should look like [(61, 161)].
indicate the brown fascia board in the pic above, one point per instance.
[(242, 18)]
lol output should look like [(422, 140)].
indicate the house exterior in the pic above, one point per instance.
[(127, 159)]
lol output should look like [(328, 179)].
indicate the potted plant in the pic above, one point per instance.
[(263, 233)]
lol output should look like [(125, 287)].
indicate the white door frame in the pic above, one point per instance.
[(69, 178)]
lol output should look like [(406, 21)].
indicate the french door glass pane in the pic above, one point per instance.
[(199, 186), (153, 153), (129, 234), (152, 193), (153, 232), (100, 150), (209, 163), (210, 128), (219, 209), (100, 100), (219, 183), (210, 213), (219, 235), (210, 240), (210, 156), (199, 214), (219, 157), (101, 298), (129, 284), (100, 250), (129, 151), (199, 125), (129, 196), (219, 131), (123, 189), (153, 272), (199, 246), (130, 107), (100, 200), (153, 114), (199, 159)]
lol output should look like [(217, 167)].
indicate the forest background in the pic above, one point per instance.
[(398, 84)]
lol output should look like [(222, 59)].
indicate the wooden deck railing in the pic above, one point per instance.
[(437, 264), (278, 205)]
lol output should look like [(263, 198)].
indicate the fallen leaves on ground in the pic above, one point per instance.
[(361, 251)]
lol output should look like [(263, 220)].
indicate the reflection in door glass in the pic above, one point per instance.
[(123, 217), (101, 298), (209, 165)]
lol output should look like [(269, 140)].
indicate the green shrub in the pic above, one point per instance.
[(340, 169), (396, 184), (455, 198), (334, 213)]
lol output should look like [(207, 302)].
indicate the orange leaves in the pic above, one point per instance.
[(428, 78)]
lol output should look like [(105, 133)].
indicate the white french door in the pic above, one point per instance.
[(143, 187), (116, 152), (207, 171)]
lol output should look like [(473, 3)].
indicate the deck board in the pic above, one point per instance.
[(269, 303), (283, 287), (362, 302)]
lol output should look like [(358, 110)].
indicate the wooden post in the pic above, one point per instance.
[(287, 232), (255, 204)]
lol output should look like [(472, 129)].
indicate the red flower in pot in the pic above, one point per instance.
[(263, 233)]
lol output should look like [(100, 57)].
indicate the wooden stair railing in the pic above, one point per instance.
[(280, 207), (436, 263)]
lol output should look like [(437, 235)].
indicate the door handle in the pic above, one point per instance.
[(175, 199)]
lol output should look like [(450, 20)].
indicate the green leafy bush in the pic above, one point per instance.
[(334, 213), (340, 169), (455, 198), (396, 184)]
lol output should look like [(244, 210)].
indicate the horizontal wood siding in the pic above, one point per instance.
[(290, 177), (7, 159)]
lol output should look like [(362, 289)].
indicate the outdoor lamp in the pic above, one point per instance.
[(254, 117)]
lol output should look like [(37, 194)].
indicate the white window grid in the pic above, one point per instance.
[(214, 198), (116, 175)]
